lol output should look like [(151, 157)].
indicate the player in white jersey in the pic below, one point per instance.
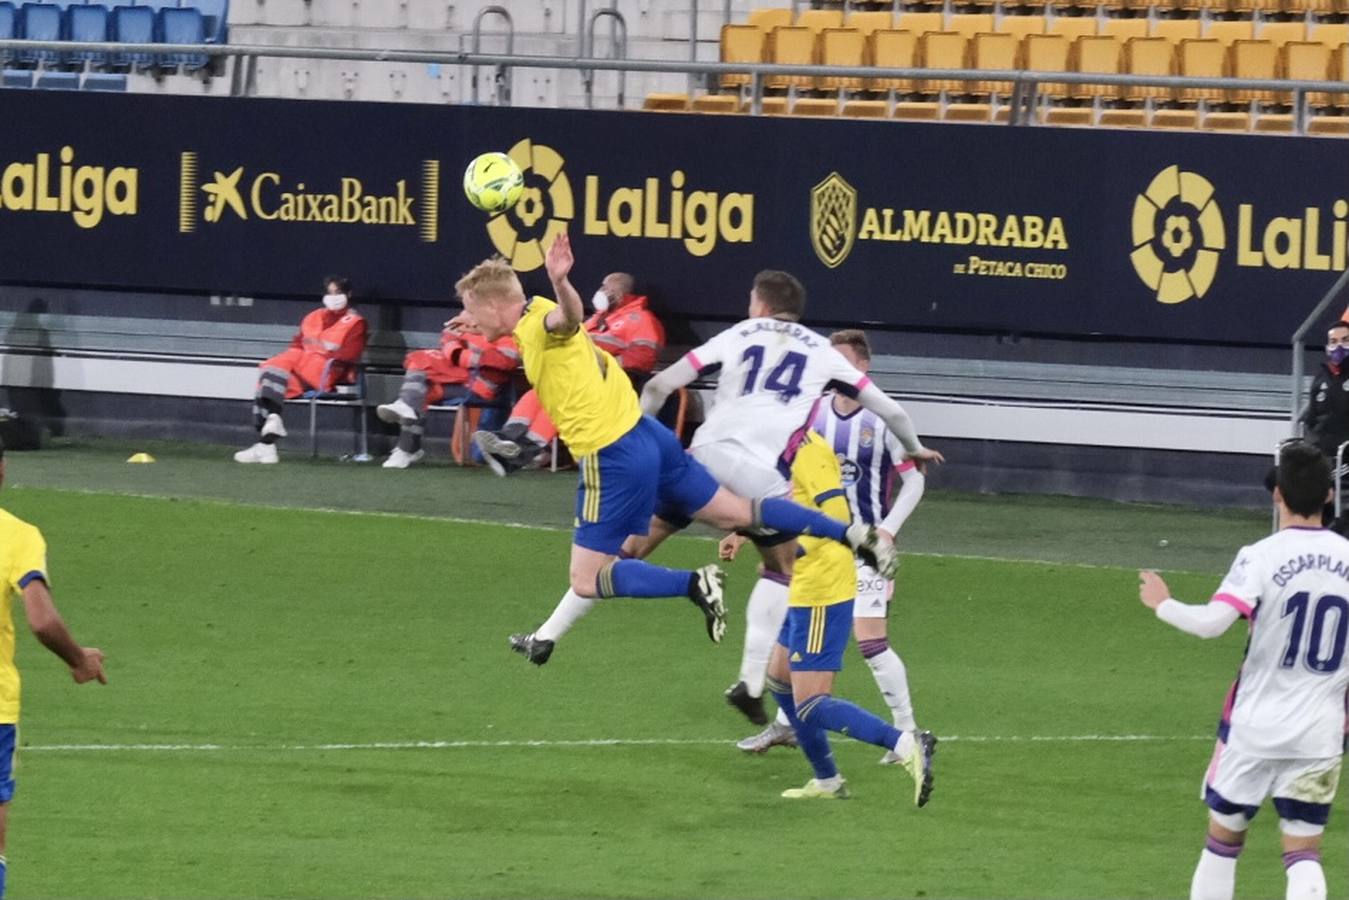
[(773, 371), (1285, 724), (872, 460)]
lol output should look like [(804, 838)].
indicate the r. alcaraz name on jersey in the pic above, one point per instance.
[(1291, 698)]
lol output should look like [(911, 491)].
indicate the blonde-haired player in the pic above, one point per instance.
[(628, 461)]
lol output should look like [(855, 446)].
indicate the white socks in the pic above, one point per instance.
[(1306, 881), (892, 679), (764, 614), (570, 609), (1215, 878)]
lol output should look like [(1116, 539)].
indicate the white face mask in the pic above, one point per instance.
[(600, 301), (335, 302)]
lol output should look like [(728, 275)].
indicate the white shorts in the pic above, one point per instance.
[(873, 593), (1303, 789), (734, 469)]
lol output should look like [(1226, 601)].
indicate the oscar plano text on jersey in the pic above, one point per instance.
[(1144, 234)]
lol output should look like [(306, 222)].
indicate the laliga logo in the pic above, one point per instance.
[(517, 233), (698, 219), (1178, 235)]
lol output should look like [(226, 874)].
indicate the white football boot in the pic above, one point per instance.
[(401, 459), (259, 453)]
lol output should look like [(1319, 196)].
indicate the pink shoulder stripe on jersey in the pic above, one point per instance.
[(1236, 603), (693, 360), (907, 465), (863, 384)]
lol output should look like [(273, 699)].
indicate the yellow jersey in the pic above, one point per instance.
[(23, 558), (826, 574), (582, 388)]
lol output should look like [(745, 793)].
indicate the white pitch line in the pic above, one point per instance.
[(458, 520), (547, 744)]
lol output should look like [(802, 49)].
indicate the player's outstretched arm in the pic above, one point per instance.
[(86, 663), (569, 313), (911, 489), (898, 421), (665, 383), (1208, 621)]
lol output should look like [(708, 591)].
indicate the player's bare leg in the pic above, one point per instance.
[(1215, 877), (890, 674), (730, 512), (596, 575), (764, 614), (640, 546)]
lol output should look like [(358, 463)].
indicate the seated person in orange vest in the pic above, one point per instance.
[(467, 364), (623, 325), (322, 355)]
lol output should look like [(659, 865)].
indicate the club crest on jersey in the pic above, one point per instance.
[(867, 437)]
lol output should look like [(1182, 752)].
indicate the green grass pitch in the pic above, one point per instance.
[(273, 667)]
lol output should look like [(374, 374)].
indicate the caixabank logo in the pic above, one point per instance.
[(1181, 235), (265, 195), (662, 207)]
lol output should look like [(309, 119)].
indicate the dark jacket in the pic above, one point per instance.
[(1327, 415)]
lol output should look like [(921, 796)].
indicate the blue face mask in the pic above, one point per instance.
[(1337, 355)]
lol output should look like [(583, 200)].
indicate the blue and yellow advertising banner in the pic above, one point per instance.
[(1059, 231)]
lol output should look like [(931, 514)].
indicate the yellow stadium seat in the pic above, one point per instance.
[(1254, 59), (740, 44), (866, 109), (1047, 53), (915, 109), (767, 19), (1306, 61), (1227, 121), (1229, 31), (1099, 55), (1125, 29), (968, 112), (842, 47), (970, 24), (1148, 56), (867, 22), (773, 106), (1123, 118), (993, 51), (1177, 30), (818, 20), (716, 103), (1185, 117), (1073, 27), (794, 46), (920, 23), (1204, 58), (666, 102), (1336, 125), (1069, 115), (1020, 26), (893, 50), (1274, 123), (815, 106), (943, 50), (1280, 33), (1339, 71), (1332, 35)]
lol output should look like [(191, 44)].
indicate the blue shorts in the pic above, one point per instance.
[(8, 739), (622, 485), (816, 636)]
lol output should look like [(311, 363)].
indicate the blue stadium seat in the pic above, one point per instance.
[(88, 24), (217, 14), (17, 78), (103, 81), (157, 5), (133, 25), (183, 26), (40, 22), (58, 81), (8, 26)]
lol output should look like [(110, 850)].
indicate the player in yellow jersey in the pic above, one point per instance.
[(628, 461), (23, 566), (809, 652)]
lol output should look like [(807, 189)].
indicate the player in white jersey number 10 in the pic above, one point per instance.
[(1285, 723)]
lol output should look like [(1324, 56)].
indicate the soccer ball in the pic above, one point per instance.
[(493, 182)]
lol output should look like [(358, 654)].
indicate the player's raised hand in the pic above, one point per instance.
[(559, 259), (730, 546), (1152, 590), (925, 456), (90, 668)]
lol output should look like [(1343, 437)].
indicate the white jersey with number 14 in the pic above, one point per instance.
[(1291, 697)]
